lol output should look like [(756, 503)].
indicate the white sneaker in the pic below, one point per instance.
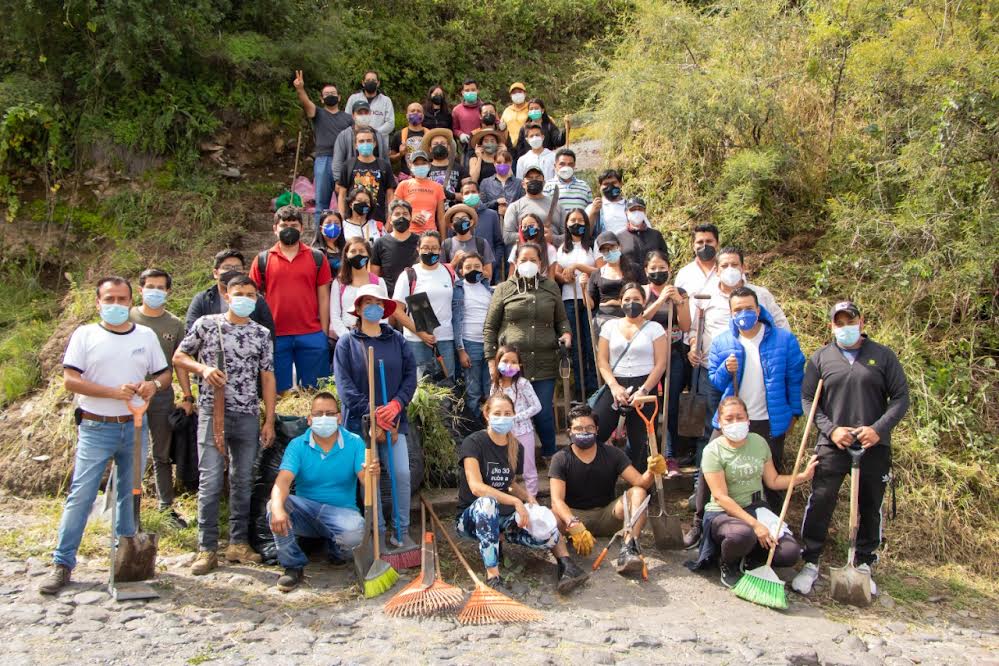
[(803, 582), (866, 568)]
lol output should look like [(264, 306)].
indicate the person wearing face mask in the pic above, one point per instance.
[(407, 140), (227, 264), (382, 110), (631, 358), (572, 192), (106, 365), (329, 239), (603, 287), (295, 281), (739, 467), (584, 480), (509, 380), (462, 220), (436, 110), (445, 168), (531, 231), (345, 147), (554, 138), (536, 154), (865, 394), (361, 221), (515, 115), (325, 463), (371, 306), (354, 274), (465, 117), (702, 272), (397, 250), (489, 119), (156, 286), (491, 502), (608, 211), (230, 351), (487, 227), (502, 189), (328, 121), (484, 145), (545, 208), (639, 237), (478, 293), (425, 196), (371, 174), (574, 262), (527, 311)]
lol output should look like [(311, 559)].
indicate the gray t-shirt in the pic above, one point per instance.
[(540, 207), (453, 246), (327, 127)]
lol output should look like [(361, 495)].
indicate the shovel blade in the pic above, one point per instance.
[(849, 585), (133, 591), (135, 557), (666, 532), (690, 415)]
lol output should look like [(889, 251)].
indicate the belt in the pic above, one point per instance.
[(106, 419)]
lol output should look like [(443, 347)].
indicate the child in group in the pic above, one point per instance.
[(509, 381), (478, 293)]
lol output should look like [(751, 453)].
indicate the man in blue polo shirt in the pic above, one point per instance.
[(325, 464)]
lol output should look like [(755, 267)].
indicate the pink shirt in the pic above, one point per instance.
[(465, 119)]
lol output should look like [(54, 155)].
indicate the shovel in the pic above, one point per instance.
[(849, 585), (665, 528), (425, 321), (693, 407), (564, 368)]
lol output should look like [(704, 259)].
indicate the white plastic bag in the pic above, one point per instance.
[(771, 519), (541, 522)]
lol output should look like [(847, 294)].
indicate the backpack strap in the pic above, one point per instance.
[(262, 269)]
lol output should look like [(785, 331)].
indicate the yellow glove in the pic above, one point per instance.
[(657, 464), (581, 538)]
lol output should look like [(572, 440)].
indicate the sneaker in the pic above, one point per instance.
[(337, 562), (55, 581), (290, 579), (692, 537), (206, 561), (803, 582), (628, 560), (498, 584), (175, 520), (568, 576), (672, 468), (730, 575), (692, 502), (866, 568), (406, 543), (242, 553)]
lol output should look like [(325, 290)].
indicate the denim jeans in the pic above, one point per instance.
[(583, 338), (96, 444), (426, 363), (544, 421), (341, 527), (403, 487), (309, 353), (242, 439), (482, 522), (477, 381), (322, 179)]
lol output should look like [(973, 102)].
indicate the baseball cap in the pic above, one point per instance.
[(844, 306)]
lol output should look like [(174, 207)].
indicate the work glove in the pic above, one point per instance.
[(581, 539), (657, 464), (386, 415)]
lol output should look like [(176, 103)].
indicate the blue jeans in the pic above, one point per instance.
[(322, 180), (482, 522), (426, 364), (342, 528), (403, 487), (585, 339), (96, 444), (309, 353), (477, 381), (242, 439), (544, 421)]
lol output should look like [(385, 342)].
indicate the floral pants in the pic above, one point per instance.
[(482, 521)]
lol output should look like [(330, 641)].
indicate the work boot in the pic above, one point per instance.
[(207, 561), (803, 582), (730, 575), (692, 537), (55, 581), (568, 576), (175, 520), (335, 561), (290, 579), (242, 553), (866, 568), (672, 468), (498, 584), (628, 560)]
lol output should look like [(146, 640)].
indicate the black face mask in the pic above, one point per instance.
[(577, 230), (633, 309), (361, 208), (472, 277), (401, 224), (289, 235), (489, 119), (439, 152), (228, 275), (707, 253), (462, 225), (430, 258), (437, 99), (612, 192), (370, 86), (531, 233), (658, 278), (358, 261), (331, 100), (534, 186), (583, 440)]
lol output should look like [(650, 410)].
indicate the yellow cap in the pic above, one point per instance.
[(518, 84)]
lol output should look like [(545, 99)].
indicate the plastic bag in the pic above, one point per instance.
[(184, 448), (265, 471)]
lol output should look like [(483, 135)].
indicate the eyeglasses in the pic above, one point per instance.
[(326, 413), (583, 431)]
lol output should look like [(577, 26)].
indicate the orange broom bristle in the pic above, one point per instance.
[(486, 606)]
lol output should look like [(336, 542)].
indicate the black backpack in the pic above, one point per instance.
[(317, 256)]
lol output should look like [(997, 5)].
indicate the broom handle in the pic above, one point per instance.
[(454, 546), (377, 496), (794, 470)]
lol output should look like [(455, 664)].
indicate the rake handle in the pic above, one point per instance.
[(450, 541)]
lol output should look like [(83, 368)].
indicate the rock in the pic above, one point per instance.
[(898, 627), (645, 641), (512, 633), (802, 657), (683, 635), (929, 638), (546, 600), (886, 601), (231, 172), (95, 613), (712, 649), (750, 653), (85, 626), (8, 591), (854, 644), (90, 597)]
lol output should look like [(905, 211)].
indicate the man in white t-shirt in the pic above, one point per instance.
[(608, 212), (106, 365)]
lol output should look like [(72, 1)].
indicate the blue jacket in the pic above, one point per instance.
[(350, 370), (783, 369)]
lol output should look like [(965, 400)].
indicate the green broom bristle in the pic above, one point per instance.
[(762, 586), (381, 583)]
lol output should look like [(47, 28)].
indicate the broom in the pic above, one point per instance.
[(401, 558), (762, 585), (486, 605), (381, 576), (427, 594)]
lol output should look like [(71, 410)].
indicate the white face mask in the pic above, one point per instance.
[(518, 98), (565, 173), (736, 432), (362, 120), (536, 142), (528, 270), (731, 276), (637, 218)]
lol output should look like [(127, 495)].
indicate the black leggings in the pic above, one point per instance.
[(607, 418), (736, 540)]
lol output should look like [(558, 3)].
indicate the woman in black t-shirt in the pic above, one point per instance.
[(603, 288), (490, 500)]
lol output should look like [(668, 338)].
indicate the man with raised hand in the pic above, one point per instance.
[(327, 123)]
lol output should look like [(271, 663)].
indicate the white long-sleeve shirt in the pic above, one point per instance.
[(525, 405), (341, 303)]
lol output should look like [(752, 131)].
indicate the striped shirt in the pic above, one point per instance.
[(574, 194)]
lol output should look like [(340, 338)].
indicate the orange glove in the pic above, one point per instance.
[(387, 415)]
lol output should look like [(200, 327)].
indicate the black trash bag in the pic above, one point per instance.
[(184, 448), (265, 471)]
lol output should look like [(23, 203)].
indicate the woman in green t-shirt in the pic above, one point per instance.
[(736, 466)]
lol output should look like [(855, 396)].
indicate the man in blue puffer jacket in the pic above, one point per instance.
[(769, 366)]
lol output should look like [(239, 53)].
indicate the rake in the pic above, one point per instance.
[(486, 605)]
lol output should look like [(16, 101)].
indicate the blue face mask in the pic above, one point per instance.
[(847, 336), (613, 256), (331, 230), (501, 425), (324, 426), (242, 306), (154, 298), (366, 149), (373, 312), (745, 319), (472, 200), (114, 314), (335, 263), (421, 171)]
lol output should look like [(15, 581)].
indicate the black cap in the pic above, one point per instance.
[(360, 105), (844, 306), (606, 238), (635, 202)]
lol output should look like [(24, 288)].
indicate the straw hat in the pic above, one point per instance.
[(480, 134), (432, 134), (460, 208)]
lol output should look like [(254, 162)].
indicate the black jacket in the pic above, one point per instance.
[(209, 302)]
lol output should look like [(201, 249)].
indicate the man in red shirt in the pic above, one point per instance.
[(296, 280), (465, 116)]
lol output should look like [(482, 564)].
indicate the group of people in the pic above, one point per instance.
[(452, 251)]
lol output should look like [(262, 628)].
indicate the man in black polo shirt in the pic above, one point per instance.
[(583, 477), (864, 396), (639, 238)]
